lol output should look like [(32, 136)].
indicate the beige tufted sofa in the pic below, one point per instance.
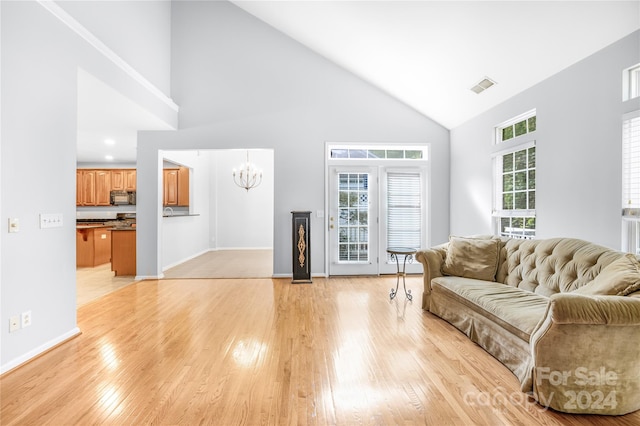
[(562, 314)]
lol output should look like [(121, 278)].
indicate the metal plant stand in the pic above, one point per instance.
[(408, 257)]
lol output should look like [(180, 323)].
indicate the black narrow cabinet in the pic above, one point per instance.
[(301, 253)]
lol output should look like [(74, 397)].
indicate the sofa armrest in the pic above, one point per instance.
[(568, 308), (585, 354), (432, 260)]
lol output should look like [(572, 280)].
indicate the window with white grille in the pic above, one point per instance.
[(631, 180), (514, 209)]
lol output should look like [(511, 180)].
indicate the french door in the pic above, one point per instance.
[(353, 217), (370, 209)]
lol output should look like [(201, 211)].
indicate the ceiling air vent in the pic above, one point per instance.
[(483, 85)]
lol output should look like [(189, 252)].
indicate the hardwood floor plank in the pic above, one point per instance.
[(265, 351)]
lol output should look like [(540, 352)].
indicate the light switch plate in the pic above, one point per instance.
[(50, 220)]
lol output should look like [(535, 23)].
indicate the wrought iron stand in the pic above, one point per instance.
[(408, 256)]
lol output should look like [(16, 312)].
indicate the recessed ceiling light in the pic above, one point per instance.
[(109, 142), (108, 157), (483, 85)]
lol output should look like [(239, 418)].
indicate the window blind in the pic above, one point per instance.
[(631, 162), (404, 209)]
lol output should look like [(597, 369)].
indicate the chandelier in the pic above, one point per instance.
[(248, 176)]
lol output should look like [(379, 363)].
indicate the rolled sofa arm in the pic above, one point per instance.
[(432, 260), (585, 354)]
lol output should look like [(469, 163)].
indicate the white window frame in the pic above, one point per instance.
[(631, 83), (522, 117), (631, 182), (502, 148)]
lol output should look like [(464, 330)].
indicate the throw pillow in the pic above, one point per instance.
[(619, 278), (472, 258)]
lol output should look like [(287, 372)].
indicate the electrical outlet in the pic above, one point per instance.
[(26, 319), (14, 224), (14, 323)]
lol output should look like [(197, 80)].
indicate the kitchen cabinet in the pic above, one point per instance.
[(86, 187), (130, 177), (103, 187), (183, 187), (94, 186), (123, 251), (123, 179), (170, 186), (117, 180), (79, 187), (93, 246), (176, 187)]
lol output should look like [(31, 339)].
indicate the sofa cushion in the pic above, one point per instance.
[(554, 265), (515, 310), (620, 278), (472, 258)]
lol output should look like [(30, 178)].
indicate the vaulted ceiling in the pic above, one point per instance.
[(427, 54)]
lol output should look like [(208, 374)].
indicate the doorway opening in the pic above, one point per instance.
[(228, 231), (107, 129)]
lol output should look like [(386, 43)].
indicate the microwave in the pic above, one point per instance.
[(123, 198)]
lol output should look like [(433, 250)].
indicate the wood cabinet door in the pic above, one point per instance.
[(130, 180), (183, 186), (78, 187), (170, 187), (103, 187), (117, 180), (88, 187)]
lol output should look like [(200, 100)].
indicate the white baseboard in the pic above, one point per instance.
[(241, 248), (281, 276), (148, 277), (318, 275), (16, 362), (164, 268)]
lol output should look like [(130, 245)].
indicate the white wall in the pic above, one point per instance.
[(578, 152), (184, 237), (244, 219), (242, 84), (40, 57), (139, 31)]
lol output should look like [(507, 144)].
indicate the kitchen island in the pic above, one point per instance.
[(93, 245), (123, 250)]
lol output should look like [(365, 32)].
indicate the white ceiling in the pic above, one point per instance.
[(428, 54), (105, 114)]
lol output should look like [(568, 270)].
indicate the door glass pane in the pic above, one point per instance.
[(353, 228), (404, 209)]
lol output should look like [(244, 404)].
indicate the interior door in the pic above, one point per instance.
[(353, 221)]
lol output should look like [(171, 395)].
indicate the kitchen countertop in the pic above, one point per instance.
[(93, 226), (111, 227)]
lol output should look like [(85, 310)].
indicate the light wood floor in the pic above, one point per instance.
[(265, 351), (226, 264), (93, 283)]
